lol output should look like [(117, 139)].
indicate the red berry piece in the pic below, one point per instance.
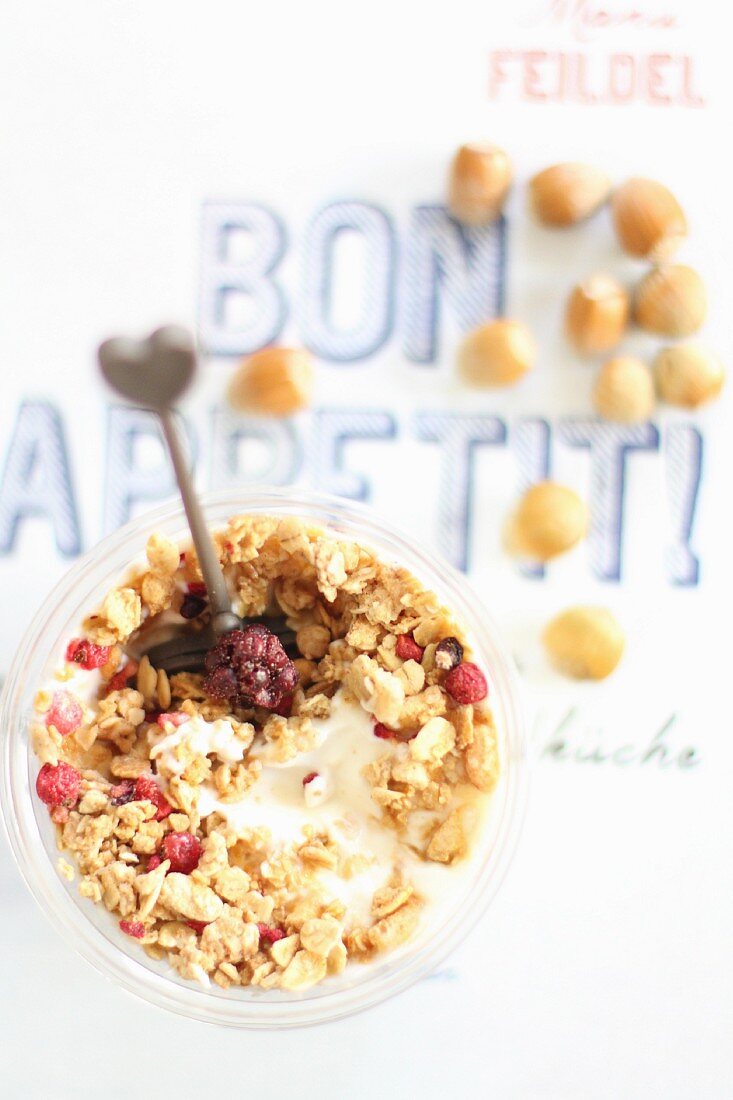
[(122, 793), (448, 654), (284, 707), (119, 680), (383, 732), (270, 934), (153, 862), (65, 713), (134, 928), (172, 718), (82, 652), (309, 778), (58, 784), (250, 668), (466, 684), (197, 588), (146, 789), (198, 925), (408, 649), (183, 850)]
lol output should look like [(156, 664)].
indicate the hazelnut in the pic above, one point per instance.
[(497, 354), (568, 193), (688, 375), (584, 642), (549, 520), (671, 301), (624, 390), (273, 382), (480, 178), (649, 221), (597, 314)]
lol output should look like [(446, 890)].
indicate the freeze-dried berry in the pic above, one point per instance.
[(134, 928), (408, 649), (119, 680), (65, 713), (171, 718), (80, 651), (383, 732), (183, 850), (285, 706), (270, 934), (153, 862), (58, 784), (309, 778), (198, 588), (198, 925), (466, 684), (122, 793), (250, 668), (448, 654), (147, 789), (192, 606)]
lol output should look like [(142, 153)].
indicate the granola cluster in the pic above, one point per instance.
[(141, 770)]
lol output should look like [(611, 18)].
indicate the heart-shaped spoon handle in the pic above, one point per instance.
[(153, 373)]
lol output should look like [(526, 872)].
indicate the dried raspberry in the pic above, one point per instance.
[(119, 680), (466, 684), (134, 928), (198, 925), (408, 649), (192, 606), (250, 667), (198, 588), (58, 784), (147, 788), (384, 732), (285, 706), (152, 715), (153, 862), (270, 934), (448, 654), (85, 653), (122, 793), (65, 713), (309, 778), (172, 718), (183, 850)]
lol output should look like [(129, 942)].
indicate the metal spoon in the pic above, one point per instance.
[(154, 373)]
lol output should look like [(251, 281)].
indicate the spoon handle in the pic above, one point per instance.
[(223, 618)]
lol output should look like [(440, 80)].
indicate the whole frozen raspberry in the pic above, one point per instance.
[(80, 651), (250, 668), (408, 649), (183, 850), (270, 934), (65, 713), (466, 684), (58, 784), (134, 928), (147, 789), (448, 654)]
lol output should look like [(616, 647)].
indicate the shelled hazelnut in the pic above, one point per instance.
[(671, 301), (597, 314), (549, 520), (688, 375), (480, 178), (649, 221), (585, 643), (273, 382), (564, 194), (624, 390), (497, 354)]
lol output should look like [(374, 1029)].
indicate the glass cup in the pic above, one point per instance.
[(94, 932)]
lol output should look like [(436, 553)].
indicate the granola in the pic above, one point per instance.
[(269, 845)]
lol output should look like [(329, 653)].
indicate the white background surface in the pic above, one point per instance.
[(603, 968)]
